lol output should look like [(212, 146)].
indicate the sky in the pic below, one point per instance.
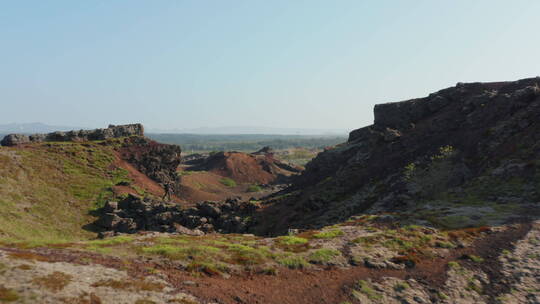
[(280, 63)]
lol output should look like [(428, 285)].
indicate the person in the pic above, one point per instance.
[(168, 191)]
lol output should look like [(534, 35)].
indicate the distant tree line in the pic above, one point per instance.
[(250, 142)]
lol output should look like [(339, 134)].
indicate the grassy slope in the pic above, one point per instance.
[(47, 191)]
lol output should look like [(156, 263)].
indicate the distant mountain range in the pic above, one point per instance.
[(34, 127), (38, 127), (252, 130)]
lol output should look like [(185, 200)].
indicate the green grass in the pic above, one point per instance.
[(454, 265), (365, 288), (401, 286), (399, 244), (111, 241), (410, 238), (473, 287), (208, 267), (444, 244), (323, 255), (48, 191), (293, 262), (329, 234), (475, 258), (291, 240), (442, 295), (246, 255), (171, 241), (184, 173), (254, 188), (183, 252), (228, 182)]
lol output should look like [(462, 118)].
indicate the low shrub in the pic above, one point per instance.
[(323, 255), (228, 182), (293, 262), (329, 234), (292, 240), (254, 188)]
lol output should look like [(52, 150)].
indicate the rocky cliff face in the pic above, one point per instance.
[(155, 160), (451, 146), (81, 135)]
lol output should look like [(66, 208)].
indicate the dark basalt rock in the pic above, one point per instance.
[(81, 135), (486, 124), (157, 161), (135, 214), (15, 139)]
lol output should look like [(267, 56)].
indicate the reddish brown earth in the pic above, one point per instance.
[(195, 187), (247, 168), (207, 186), (332, 285), (202, 180), (241, 167)]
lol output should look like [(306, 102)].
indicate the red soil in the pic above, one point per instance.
[(242, 167), (247, 168), (206, 186)]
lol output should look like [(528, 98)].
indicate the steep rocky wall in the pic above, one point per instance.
[(79, 135), (155, 160), (483, 127), (470, 117)]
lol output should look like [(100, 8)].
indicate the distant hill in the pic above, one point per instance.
[(247, 142), (243, 130), (38, 127), (34, 127)]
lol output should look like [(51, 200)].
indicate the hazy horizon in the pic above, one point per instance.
[(38, 127), (273, 64)]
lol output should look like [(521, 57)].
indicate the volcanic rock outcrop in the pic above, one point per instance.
[(137, 214), (464, 143), (157, 161), (81, 135)]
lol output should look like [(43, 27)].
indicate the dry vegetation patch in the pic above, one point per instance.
[(55, 281), (8, 295), (130, 285)]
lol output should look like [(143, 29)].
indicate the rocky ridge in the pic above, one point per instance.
[(452, 146), (78, 135)]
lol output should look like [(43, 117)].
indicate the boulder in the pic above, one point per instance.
[(134, 214), (15, 139), (108, 221)]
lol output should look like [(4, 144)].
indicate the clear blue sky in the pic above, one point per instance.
[(302, 64)]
